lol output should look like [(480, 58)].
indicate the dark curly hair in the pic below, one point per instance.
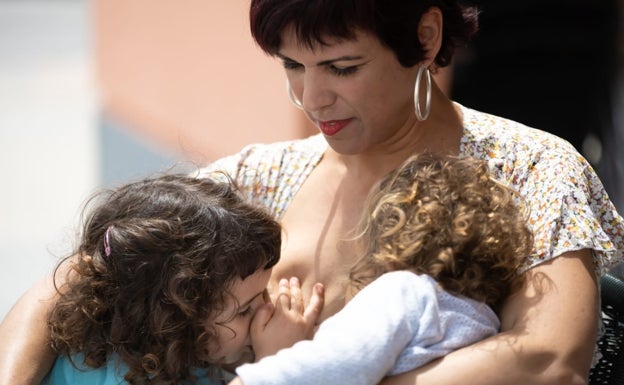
[(394, 22), (446, 217), (175, 244)]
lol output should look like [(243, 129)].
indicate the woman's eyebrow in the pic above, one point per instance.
[(324, 62)]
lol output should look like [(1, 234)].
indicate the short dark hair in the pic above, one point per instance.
[(154, 265), (394, 22)]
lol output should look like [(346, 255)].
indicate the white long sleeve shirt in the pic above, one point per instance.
[(397, 323)]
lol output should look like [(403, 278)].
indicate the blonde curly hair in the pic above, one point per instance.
[(445, 217)]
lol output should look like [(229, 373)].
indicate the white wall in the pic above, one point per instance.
[(48, 123)]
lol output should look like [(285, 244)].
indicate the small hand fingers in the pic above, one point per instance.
[(315, 306), (283, 295), (296, 298)]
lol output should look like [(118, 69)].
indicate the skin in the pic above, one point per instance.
[(561, 297), (233, 324), (244, 329), (26, 337)]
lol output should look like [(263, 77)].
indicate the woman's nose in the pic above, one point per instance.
[(316, 93)]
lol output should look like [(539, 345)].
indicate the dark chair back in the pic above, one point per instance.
[(610, 368)]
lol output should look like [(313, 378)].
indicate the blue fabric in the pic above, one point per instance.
[(64, 373)]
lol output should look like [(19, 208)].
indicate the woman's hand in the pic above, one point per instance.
[(279, 326)]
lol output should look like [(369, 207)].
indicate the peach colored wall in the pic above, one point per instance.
[(187, 77)]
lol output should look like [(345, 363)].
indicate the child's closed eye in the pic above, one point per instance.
[(244, 312)]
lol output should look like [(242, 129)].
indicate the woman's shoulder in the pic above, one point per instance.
[(263, 156), (493, 134), (569, 208), (521, 154), (271, 174)]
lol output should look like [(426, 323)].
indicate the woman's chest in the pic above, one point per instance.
[(317, 242)]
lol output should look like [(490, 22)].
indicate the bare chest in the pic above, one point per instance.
[(316, 243)]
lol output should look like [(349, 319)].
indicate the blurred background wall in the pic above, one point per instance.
[(186, 77), (95, 93), (49, 155)]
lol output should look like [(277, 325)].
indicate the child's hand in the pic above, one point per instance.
[(279, 326)]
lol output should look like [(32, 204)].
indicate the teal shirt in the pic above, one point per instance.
[(64, 373)]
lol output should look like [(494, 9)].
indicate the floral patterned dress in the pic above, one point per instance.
[(568, 207)]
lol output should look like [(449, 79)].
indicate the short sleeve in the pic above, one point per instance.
[(568, 207)]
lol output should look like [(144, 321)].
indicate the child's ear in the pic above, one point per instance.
[(430, 32)]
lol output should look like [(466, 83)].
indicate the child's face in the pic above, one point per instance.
[(233, 324)]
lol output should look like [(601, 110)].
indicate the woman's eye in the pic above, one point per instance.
[(343, 71), (291, 65)]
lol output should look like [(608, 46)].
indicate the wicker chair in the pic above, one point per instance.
[(610, 369)]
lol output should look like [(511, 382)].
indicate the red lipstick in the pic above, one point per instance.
[(332, 127)]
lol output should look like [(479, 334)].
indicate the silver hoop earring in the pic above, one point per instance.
[(292, 97), (420, 115)]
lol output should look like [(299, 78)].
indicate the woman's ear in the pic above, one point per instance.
[(430, 32)]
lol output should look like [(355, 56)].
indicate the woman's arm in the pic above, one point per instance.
[(549, 331), (25, 353)]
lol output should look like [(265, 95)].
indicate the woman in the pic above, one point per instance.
[(360, 69), (353, 67)]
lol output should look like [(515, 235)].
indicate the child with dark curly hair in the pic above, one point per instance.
[(162, 288), (442, 244)]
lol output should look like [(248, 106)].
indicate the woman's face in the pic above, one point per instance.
[(234, 343), (354, 91)]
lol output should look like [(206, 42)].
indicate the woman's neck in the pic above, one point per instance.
[(440, 133)]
